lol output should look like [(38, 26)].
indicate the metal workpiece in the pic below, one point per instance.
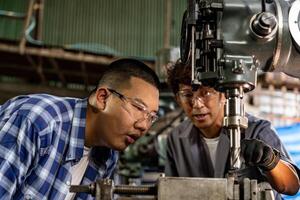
[(250, 188), (104, 189), (101, 189), (233, 189), (178, 188), (266, 191)]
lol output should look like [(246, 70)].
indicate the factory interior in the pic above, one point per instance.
[(62, 47)]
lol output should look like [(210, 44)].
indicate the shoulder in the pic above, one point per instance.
[(37, 103), (262, 129), (256, 124), (40, 109), (182, 130)]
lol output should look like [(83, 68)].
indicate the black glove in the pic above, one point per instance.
[(257, 153)]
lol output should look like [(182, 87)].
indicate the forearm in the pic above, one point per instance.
[(284, 178)]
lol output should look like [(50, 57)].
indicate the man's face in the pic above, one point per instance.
[(128, 113), (205, 107)]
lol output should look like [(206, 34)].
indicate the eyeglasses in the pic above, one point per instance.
[(138, 110), (203, 93)]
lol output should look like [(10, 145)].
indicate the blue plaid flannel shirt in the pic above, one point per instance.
[(41, 137)]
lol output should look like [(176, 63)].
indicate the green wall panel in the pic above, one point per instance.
[(11, 28), (178, 8), (118, 27)]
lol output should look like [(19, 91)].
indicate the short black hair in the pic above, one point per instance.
[(179, 73), (120, 71)]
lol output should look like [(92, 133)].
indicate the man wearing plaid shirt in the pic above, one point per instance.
[(44, 139)]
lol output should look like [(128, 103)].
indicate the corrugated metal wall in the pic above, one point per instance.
[(178, 7), (11, 28), (119, 27)]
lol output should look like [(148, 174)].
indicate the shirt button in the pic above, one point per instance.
[(68, 183), (28, 197)]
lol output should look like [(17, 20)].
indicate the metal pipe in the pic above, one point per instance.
[(167, 23), (234, 120), (26, 24)]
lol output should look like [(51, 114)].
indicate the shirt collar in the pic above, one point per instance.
[(77, 132), (190, 130)]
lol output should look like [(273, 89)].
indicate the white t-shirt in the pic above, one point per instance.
[(77, 171), (212, 144)]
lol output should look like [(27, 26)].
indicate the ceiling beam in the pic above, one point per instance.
[(58, 53)]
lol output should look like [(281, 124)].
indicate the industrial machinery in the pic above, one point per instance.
[(177, 188), (227, 43)]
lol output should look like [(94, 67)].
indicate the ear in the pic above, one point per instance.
[(101, 96), (222, 99)]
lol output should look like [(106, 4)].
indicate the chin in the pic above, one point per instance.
[(119, 147), (202, 125)]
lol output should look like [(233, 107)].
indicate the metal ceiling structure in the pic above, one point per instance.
[(46, 70), (62, 47)]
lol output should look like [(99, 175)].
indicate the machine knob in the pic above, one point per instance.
[(264, 23)]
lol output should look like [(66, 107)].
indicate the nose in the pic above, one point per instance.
[(197, 102)]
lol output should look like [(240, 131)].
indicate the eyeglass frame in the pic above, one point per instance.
[(151, 117), (203, 97)]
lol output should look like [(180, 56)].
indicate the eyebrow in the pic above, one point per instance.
[(186, 90), (201, 88)]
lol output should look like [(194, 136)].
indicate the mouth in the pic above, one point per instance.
[(200, 117), (130, 139)]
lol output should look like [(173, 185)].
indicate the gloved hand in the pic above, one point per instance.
[(257, 153)]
